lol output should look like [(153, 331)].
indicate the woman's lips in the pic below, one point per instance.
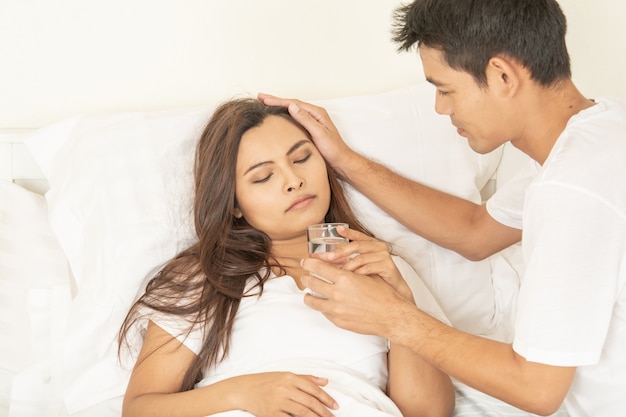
[(301, 202)]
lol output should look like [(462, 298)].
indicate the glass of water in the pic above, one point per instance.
[(324, 237)]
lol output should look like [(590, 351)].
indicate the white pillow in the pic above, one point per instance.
[(34, 294), (118, 203), (401, 130)]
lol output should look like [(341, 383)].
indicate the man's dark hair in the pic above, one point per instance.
[(471, 32)]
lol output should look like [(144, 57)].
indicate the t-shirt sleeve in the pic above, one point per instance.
[(507, 204), (179, 328)]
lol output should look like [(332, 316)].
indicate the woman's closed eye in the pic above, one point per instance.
[(303, 160), (262, 180)]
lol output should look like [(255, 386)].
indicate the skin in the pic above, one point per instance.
[(511, 108), (281, 187)]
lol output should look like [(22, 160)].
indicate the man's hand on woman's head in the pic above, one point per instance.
[(318, 123)]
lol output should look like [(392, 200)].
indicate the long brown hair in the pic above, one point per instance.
[(205, 283)]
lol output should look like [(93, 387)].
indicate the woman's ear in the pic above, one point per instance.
[(237, 213)]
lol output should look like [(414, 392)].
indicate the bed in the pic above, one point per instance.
[(116, 189), (95, 165)]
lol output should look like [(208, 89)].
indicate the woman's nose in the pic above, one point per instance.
[(292, 177), (295, 184)]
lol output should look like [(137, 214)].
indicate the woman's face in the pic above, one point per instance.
[(281, 182)]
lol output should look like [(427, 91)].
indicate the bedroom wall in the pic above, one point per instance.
[(64, 57), (72, 56)]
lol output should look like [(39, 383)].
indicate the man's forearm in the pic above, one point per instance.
[(442, 218), (486, 365)]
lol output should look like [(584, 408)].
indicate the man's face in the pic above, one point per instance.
[(474, 110)]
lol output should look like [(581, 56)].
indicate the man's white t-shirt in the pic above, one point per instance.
[(571, 307)]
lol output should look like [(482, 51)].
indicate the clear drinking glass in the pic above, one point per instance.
[(324, 237)]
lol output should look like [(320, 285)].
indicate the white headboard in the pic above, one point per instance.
[(16, 163)]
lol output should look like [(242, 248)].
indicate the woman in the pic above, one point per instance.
[(227, 327)]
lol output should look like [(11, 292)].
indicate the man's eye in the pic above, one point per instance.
[(442, 93), (306, 158)]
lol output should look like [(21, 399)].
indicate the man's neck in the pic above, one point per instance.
[(549, 111)]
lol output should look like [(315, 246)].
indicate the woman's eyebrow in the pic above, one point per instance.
[(297, 145), (291, 150)]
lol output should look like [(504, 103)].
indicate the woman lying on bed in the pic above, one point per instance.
[(227, 329)]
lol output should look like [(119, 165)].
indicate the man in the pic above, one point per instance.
[(502, 73)]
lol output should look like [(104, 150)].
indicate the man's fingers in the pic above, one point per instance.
[(318, 286), (314, 302), (270, 100), (319, 268)]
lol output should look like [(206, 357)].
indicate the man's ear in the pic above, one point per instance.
[(505, 75)]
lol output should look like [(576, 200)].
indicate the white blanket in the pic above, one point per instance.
[(355, 395)]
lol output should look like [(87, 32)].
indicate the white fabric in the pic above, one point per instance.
[(118, 203), (118, 188), (281, 327), (177, 326), (289, 336), (572, 301), (507, 204), (424, 299), (356, 396), (34, 297), (473, 403), (401, 130)]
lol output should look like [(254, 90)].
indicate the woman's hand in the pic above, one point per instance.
[(272, 394), (366, 255), (154, 387)]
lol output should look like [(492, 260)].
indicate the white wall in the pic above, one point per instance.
[(76, 55), (60, 57), (597, 44)]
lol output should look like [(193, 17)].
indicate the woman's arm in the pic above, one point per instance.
[(154, 387), (418, 388)]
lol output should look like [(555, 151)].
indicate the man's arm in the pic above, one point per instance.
[(449, 221), (486, 365), (369, 305), (446, 220)]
